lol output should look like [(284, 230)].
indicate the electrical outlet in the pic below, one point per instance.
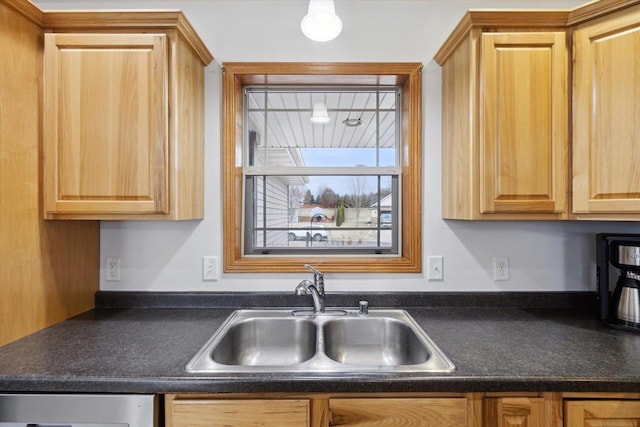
[(500, 268), (113, 269), (435, 270), (209, 268)]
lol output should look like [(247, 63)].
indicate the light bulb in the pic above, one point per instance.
[(321, 23)]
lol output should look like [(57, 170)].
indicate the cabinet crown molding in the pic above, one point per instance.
[(127, 20), (596, 9), (26, 9), (526, 18), (500, 19)]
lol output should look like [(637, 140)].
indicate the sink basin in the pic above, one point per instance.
[(267, 342), (373, 341), (338, 342)]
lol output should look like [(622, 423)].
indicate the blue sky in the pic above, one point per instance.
[(339, 157)]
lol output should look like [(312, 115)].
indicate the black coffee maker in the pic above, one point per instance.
[(619, 254)]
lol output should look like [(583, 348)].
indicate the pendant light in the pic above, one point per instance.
[(321, 23), (320, 115)]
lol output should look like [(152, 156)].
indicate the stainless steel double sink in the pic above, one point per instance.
[(338, 341)]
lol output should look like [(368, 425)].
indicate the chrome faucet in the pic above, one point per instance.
[(315, 288)]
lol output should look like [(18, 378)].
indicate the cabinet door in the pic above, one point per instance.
[(523, 123), (606, 123), (405, 412), (238, 413), (597, 413), (514, 412), (105, 122)]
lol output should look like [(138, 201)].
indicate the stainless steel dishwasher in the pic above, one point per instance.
[(78, 410)]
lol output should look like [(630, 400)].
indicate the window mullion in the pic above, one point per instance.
[(328, 171), (377, 114), (264, 211)]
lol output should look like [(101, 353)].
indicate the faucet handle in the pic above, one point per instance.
[(313, 270), (318, 278)]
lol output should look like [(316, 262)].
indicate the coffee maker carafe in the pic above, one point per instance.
[(619, 253)]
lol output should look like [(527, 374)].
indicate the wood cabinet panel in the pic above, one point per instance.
[(524, 129), (38, 288), (602, 413), (505, 114), (239, 413), (459, 173), (514, 412), (405, 412), (106, 100), (606, 159)]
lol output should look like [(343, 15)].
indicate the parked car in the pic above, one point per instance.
[(385, 220), (318, 233)]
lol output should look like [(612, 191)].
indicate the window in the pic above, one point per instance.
[(340, 173), (345, 195)]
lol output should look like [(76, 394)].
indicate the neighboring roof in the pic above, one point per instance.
[(385, 202)]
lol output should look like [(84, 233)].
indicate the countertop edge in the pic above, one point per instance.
[(316, 385)]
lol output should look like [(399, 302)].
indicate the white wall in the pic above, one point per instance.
[(166, 256)]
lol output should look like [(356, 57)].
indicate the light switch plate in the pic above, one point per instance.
[(210, 268), (435, 267)]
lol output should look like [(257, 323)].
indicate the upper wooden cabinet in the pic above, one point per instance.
[(506, 125), (505, 117), (606, 117), (123, 116)]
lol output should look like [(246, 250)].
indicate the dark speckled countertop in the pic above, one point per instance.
[(500, 342)]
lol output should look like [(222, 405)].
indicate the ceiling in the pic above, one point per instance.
[(288, 112)]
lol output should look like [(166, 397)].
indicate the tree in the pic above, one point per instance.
[(296, 195), (340, 214), (308, 198), (358, 197), (328, 198)]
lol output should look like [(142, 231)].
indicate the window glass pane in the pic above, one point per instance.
[(344, 212), (361, 128), (339, 157), (255, 100), (388, 157), (388, 100), (388, 138)]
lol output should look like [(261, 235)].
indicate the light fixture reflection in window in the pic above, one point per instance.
[(321, 23), (320, 115)]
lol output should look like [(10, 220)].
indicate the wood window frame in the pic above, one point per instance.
[(236, 75)]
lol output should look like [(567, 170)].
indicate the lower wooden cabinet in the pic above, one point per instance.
[(404, 409), (602, 412), (318, 411), (406, 412), (196, 412), (536, 411)]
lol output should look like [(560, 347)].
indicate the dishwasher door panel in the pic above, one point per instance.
[(78, 410)]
